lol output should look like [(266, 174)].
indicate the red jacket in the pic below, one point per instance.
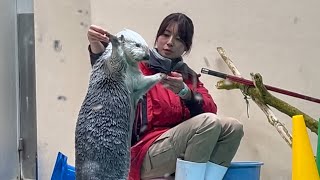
[(165, 109)]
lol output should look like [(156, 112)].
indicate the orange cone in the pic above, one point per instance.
[(303, 162)]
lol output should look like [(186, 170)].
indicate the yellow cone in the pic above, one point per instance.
[(303, 162)]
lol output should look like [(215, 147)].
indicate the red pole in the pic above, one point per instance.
[(250, 83)]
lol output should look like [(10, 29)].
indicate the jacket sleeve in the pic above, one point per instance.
[(94, 57), (201, 101)]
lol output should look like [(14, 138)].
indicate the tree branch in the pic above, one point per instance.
[(255, 95), (229, 62), (282, 106)]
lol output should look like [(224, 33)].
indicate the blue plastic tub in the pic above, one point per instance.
[(245, 170), (63, 171)]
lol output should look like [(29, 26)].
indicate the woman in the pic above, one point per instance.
[(177, 118)]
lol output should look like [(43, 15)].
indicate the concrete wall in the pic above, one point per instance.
[(278, 40), (62, 71)]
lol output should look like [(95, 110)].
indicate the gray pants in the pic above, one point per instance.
[(206, 137)]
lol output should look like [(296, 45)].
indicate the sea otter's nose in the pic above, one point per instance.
[(146, 57)]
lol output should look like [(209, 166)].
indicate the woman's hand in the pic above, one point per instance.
[(175, 83), (96, 35)]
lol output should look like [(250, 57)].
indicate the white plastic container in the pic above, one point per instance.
[(186, 170)]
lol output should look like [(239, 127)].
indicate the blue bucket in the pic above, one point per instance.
[(63, 171), (248, 170)]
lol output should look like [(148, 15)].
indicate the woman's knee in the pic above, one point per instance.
[(210, 121), (236, 127), (210, 117), (231, 125)]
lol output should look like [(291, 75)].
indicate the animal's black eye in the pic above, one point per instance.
[(138, 45)]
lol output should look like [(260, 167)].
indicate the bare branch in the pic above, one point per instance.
[(274, 122), (228, 61)]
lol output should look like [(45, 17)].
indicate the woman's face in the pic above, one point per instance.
[(169, 44)]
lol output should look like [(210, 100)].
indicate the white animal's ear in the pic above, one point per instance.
[(114, 40), (122, 38)]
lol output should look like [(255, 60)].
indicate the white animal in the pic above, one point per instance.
[(104, 125)]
